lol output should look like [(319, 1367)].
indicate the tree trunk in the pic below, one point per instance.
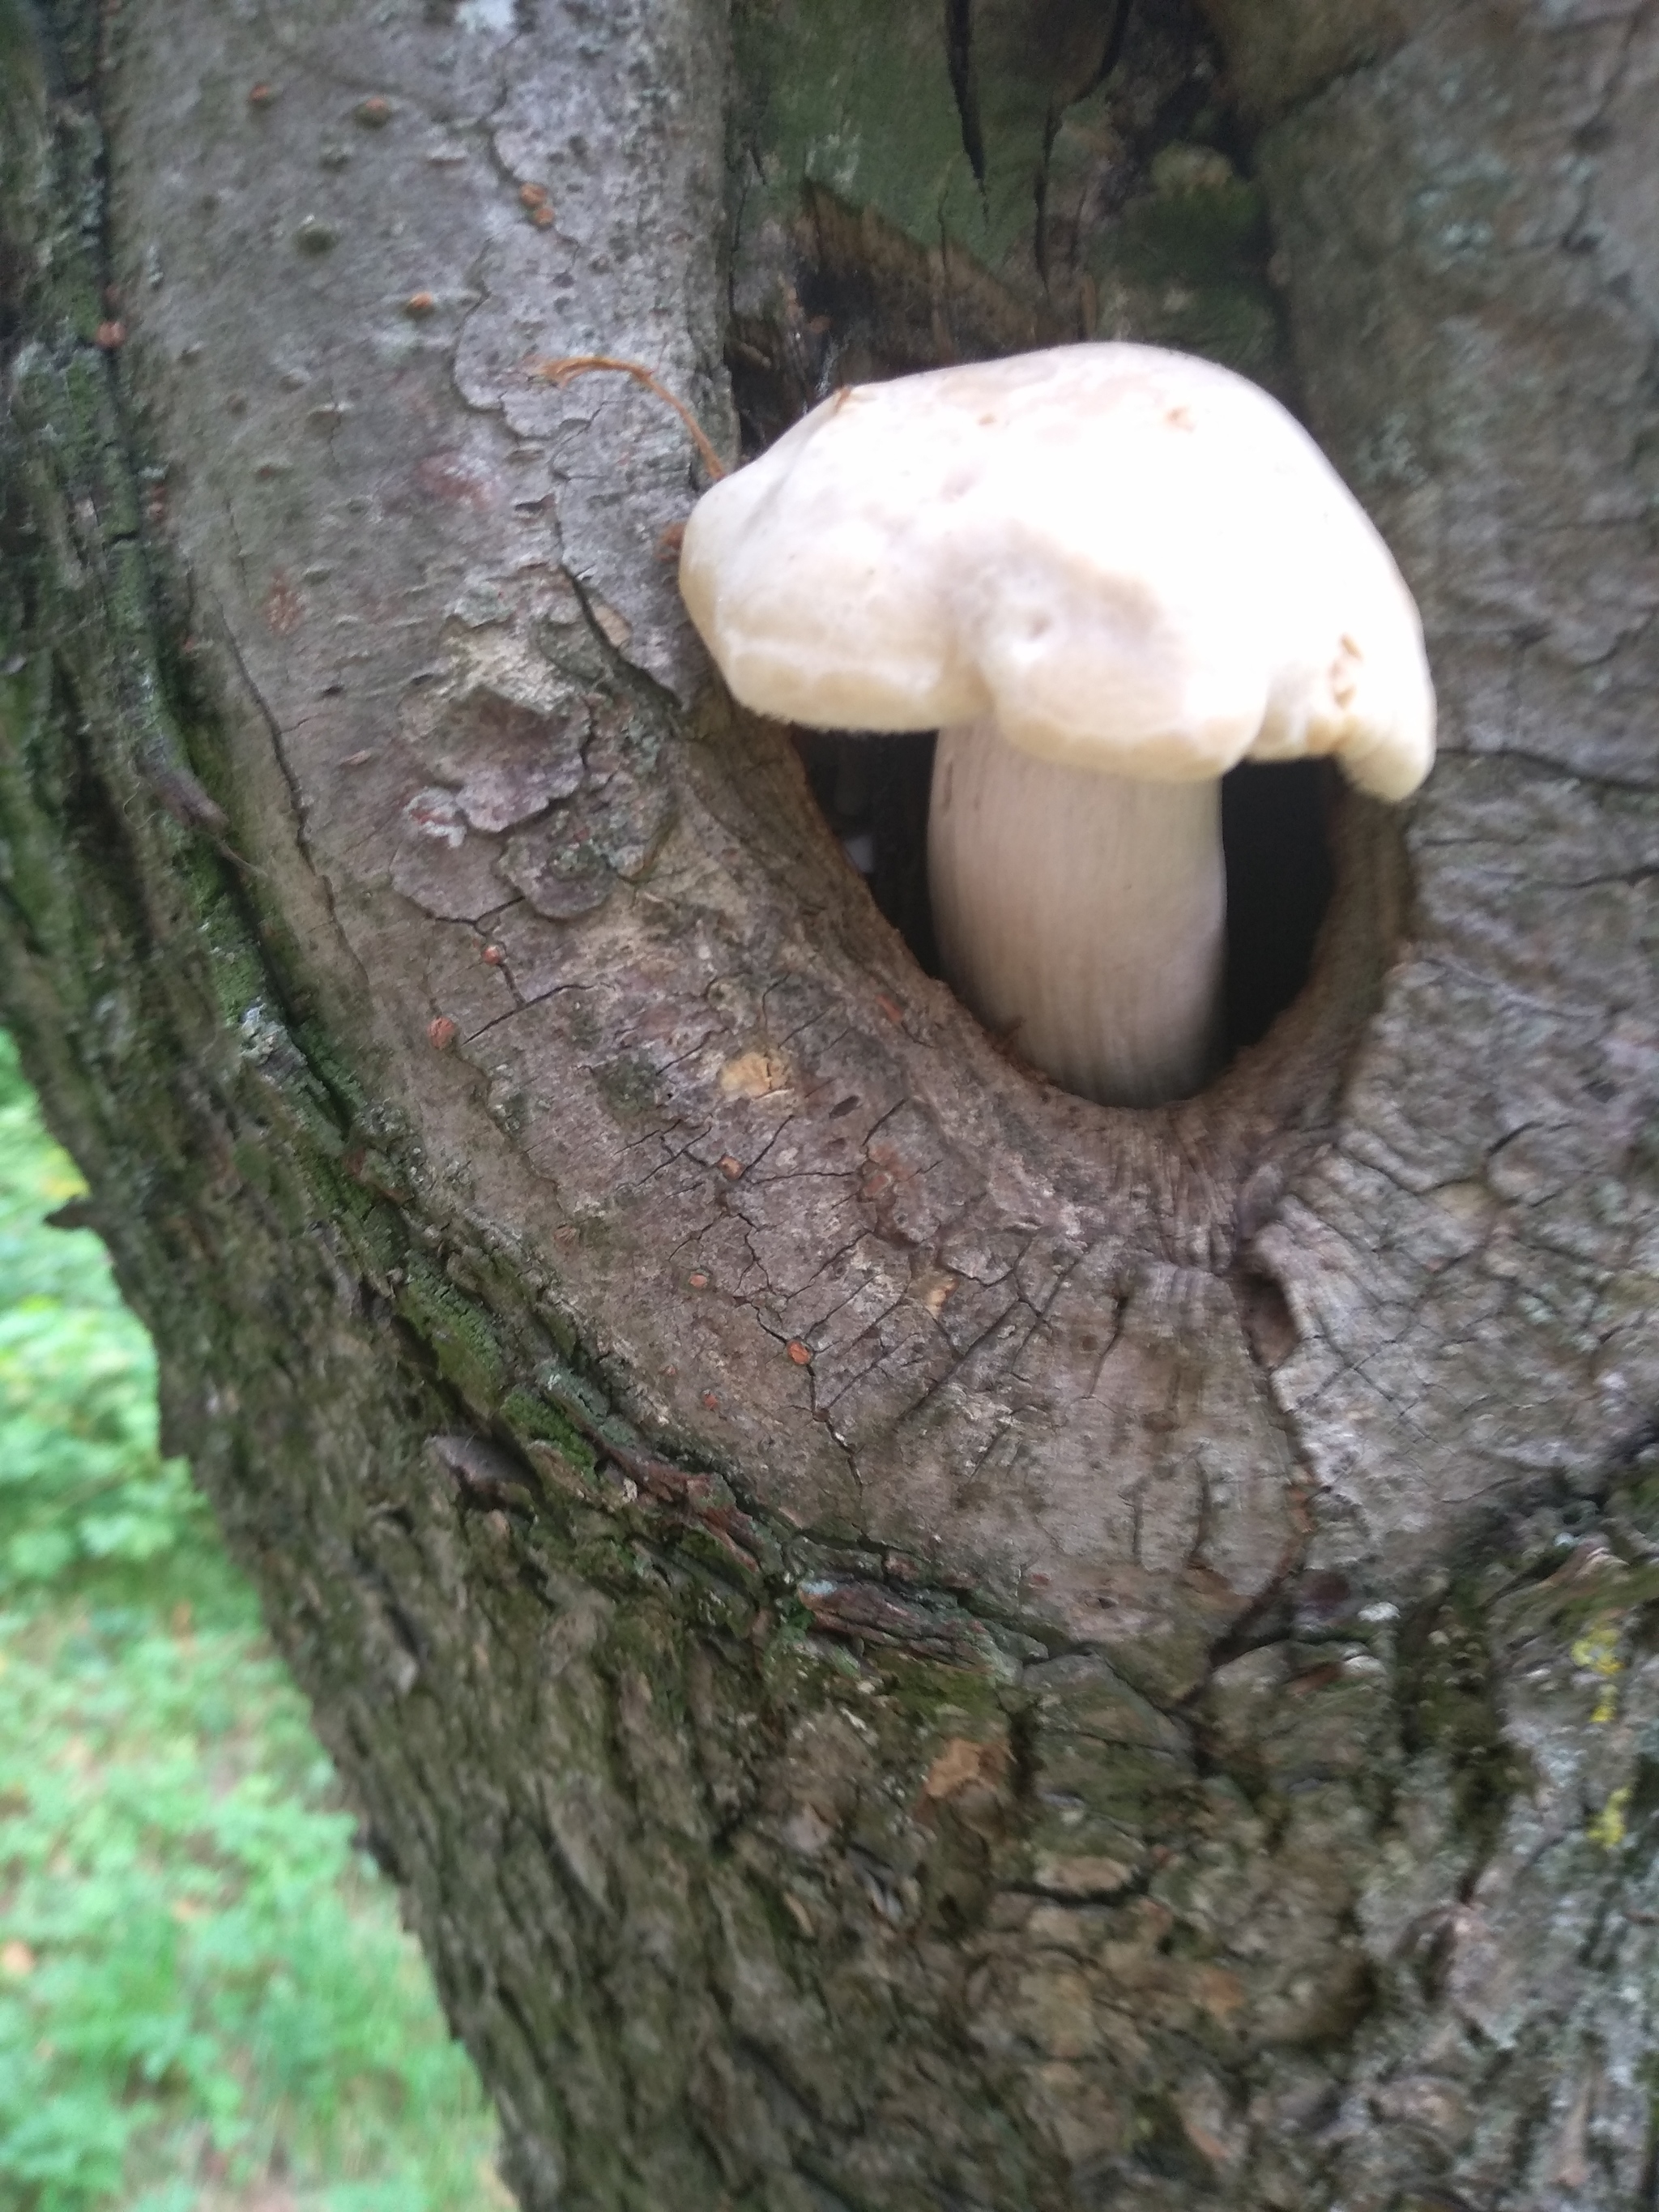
[(910, 1640)]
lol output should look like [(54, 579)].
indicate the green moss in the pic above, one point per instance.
[(854, 96), (585, 1404), (1584, 1609), (83, 419), (26, 874), (330, 1066), (1636, 1500), (465, 1345), (927, 1695), (531, 1418), (237, 972), (597, 1554), (1447, 1705), (1186, 267), (799, 1670), (709, 1553)]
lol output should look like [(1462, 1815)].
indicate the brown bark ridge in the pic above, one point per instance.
[(911, 1642)]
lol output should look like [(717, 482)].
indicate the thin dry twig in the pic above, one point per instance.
[(569, 366)]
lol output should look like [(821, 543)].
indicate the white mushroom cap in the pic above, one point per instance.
[(1132, 560)]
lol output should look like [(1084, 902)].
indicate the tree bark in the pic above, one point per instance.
[(910, 1640)]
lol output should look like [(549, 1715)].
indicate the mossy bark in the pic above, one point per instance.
[(909, 1640)]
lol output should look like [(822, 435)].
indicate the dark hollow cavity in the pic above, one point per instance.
[(1275, 833), (873, 793)]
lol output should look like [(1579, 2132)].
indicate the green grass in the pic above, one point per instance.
[(206, 2002)]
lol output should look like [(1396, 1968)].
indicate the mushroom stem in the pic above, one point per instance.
[(1081, 915)]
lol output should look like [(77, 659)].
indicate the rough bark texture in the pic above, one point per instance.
[(911, 1641)]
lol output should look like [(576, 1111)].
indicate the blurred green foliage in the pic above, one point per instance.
[(206, 2003), (81, 1480)]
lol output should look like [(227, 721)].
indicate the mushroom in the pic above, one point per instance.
[(1105, 574)]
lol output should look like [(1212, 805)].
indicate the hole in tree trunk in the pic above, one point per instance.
[(1276, 826), (1275, 831), (873, 793)]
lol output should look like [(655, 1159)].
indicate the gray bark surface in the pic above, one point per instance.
[(911, 1641)]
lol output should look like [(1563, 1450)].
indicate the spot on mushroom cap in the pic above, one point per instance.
[(1136, 560)]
